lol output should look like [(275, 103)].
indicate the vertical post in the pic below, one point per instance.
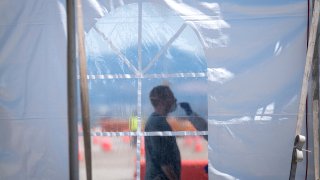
[(84, 91), (304, 90), (315, 111), (309, 58), (139, 106), (72, 92), (316, 137)]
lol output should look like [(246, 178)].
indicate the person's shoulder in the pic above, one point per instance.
[(155, 122), (150, 122), (154, 118)]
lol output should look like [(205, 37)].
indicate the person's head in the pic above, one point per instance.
[(162, 99)]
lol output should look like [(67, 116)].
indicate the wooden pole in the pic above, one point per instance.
[(304, 91), (310, 53), (72, 92), (84, 91), (316, 138), (315, 112)]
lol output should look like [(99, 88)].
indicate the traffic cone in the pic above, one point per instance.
[(198, 145), (80, 156), (142, 149), (187, 141), (96, 139), (126, 139), (106, 144)]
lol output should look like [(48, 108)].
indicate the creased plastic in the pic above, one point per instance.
[(33, 114), (239, 64), (252, 114)]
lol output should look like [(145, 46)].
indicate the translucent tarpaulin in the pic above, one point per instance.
[(239, 65)]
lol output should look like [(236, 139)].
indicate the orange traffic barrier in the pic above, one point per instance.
[(194, 169), (114, 125), (190, 169)]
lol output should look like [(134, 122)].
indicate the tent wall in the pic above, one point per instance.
[(33, 111), (255, 140), (254, 55)]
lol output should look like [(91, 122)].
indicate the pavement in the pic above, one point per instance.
[(113, 158)]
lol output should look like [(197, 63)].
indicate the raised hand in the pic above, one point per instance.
[(186, 107)]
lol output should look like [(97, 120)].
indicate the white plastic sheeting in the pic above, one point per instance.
[(252, 116), (33, 114), (247, 56)]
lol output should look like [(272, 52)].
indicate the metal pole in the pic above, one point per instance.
[(72, 92), (84, 91), (139, 109)]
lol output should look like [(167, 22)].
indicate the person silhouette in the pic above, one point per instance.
[(163, 159), (162, 153)]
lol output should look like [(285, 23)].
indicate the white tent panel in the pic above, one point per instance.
[(254, 55), (33, 115)]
